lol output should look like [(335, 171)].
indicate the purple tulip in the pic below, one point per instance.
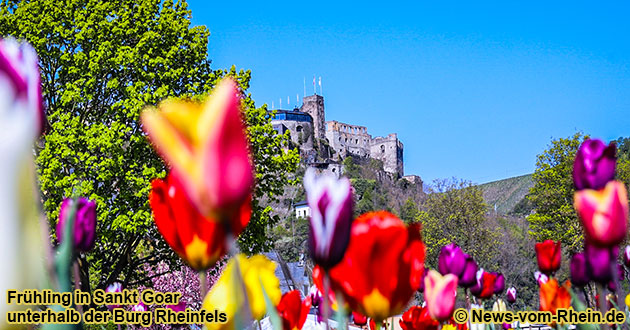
[(177, 308), (421, 288), (611, 283), (594, 164), (579, 270), (140, 307), (316, 296), (626, 256), (468, 277), (598, 260), (330, 200), (510, 295), (499, 284), (540, 277), (84, 223), (114, 287), (452, 260)]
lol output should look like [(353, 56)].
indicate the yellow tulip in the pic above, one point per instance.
[(227, 295)]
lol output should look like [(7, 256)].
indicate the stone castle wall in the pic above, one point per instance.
[(343, 139)]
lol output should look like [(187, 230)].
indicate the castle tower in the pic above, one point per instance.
[(314, 105)]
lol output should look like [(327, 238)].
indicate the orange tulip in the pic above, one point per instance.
[(206, 146), (382, 267), (553, 296), (604, 213), (440, 293)]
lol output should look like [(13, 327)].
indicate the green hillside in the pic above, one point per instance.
[(506, 193)]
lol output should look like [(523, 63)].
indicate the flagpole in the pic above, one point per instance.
[(304, 86)]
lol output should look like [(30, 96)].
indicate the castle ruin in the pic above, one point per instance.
[(335, 140)]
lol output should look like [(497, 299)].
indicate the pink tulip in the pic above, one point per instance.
[(206, 145), (440, 293), (604, 213)]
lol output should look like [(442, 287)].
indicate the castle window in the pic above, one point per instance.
[(382, 149), (299, 128), (356, 141)]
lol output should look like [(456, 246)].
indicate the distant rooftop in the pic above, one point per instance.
[(294, 115)]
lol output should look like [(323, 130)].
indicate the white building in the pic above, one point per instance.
[(302, 210)]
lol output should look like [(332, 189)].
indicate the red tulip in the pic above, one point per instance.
[(382, 267), (604, 213), (440, 293), (359, 319), (553, 296), (293, 310), (485, 286), (197, 239), (206, 145), (418, 318), (549, 255)]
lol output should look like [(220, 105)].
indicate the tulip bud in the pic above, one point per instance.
[(114, 287), (140, 307), (499, 283), (594, 164), (510, 295), (359, 319), (177, 308), (540, 277), (84, 223), (599, 260), (468, 277), (549, 255), (440, 294), (579, 270), (315, 295), (452, 260), (626, 256), (330, 200)]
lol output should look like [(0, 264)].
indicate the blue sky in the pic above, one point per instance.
[(474, 91)]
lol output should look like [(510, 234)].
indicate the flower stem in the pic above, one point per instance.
[(602, 302), (619, 292), (326, 302), (77, 283), (203, 284)]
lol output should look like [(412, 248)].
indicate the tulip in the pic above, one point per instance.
[(293, 311), (604, 213), (206, 145), (579, 270), (330, 200), (553, 296), (421, 288), (114, 287), (468, 277), (180, 307), (499, 283), (359, 319), (140, 307), (21, 86), (382, 252), (452, 260), (440, 293), (594, 164), (84, 222), (620, 273), (626, 256), (510, 295), (499, 306), (540, 277), (484, 288), (418, 318), (21, 117), (227, 295), (197, 239), (599, 260), (315, 295), (549, 255)]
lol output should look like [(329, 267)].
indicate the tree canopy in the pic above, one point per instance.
[(102, 62)]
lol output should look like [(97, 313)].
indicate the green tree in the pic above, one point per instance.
[(552, 195), (101, 63), (454, 211), (409, 211)]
